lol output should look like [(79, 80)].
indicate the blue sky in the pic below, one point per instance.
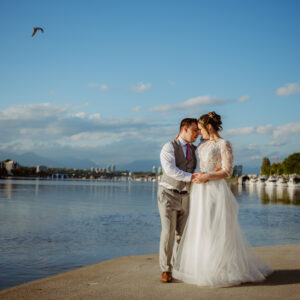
[(111, 80)]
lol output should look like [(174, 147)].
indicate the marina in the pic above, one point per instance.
[(291, 181)]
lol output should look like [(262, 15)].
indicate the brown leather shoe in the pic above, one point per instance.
[(166, 277)]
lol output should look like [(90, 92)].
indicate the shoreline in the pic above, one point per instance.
[(137, 277)]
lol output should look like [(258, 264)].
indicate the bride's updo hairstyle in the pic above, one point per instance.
[(211, 118)]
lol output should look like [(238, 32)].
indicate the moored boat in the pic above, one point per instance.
[(272, 181), (262, 180), (253, 180), (282, 182), (294, 181)]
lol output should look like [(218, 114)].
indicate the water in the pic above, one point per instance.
[(48, 227)]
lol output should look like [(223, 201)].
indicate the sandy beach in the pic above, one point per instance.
[(137, 277)]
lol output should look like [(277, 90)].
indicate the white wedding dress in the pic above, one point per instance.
[(213, 251)]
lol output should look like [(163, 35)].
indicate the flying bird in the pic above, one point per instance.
[(35, 29)]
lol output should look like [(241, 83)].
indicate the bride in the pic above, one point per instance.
[(213, 251)]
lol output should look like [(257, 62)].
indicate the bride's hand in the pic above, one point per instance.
[(200, 178), (177, 136)]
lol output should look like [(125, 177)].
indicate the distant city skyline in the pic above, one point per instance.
[(109, 82)]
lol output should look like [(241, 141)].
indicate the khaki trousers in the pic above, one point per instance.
[(174, 211)]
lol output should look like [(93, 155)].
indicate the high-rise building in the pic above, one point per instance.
[(113, 168), (237, 170), (154, 169), (159, 170), (40, 169)]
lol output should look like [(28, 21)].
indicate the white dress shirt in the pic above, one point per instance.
[(167, 159)]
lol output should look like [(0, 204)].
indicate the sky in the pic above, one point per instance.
[(110, 81)]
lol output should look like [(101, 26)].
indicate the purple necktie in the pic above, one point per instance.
[(188, 152)]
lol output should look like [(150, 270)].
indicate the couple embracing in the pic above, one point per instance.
[(201, 241)]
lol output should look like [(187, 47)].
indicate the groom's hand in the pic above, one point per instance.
[(195, 176), (200, 177)]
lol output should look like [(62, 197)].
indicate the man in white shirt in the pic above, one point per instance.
[(178, 162)]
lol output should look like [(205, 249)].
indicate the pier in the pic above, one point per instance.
[(137, 277)]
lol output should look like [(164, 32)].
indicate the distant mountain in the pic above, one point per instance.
[(32, 159), (140, 165), (146, 166)]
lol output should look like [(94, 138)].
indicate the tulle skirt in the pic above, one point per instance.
[(213, 250)]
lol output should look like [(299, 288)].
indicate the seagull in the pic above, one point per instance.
[(35, 29)]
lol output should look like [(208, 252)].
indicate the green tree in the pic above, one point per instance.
[(291, 164), (273, 169), (280, 169), (3, 172), (265, 166), (276, 169)]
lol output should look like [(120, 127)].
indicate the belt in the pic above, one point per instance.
[(177, 192)]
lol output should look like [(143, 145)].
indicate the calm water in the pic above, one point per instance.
[(48, 227)]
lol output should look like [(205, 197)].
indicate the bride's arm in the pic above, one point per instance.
[(204, 177)]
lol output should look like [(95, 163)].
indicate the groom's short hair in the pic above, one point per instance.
[(187, 122)]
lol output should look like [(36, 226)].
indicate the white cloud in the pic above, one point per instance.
[(276, 143), (255, 157), (244, 98), (48, 122), (282, 130), (81, 115), (200, 101), (240, 131), (286, 129), (51, 130), (103, 87), (33, 111), (265, 129), (94, 117), (288, 89), (66, 131), (94, 136), (137, 108), (141, 87), (252, 146)]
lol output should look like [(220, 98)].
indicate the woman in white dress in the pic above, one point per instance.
[(213, 251)]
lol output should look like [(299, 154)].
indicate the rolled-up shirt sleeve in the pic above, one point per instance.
[(167, 159)]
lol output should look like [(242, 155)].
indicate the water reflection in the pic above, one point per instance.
[(37, 184), (154, 191), (7, 188), (271, 194)]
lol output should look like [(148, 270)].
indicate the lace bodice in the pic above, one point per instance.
[(212, 155)]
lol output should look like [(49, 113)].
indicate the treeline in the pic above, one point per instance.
[(23, 171), (291, 165)]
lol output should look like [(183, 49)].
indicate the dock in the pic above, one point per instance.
[(137, 277)]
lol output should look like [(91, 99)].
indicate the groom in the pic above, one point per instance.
[(178, 162)]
